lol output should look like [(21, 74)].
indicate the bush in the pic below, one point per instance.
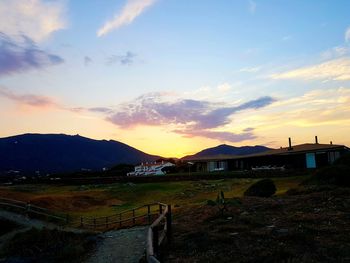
[(343, 160), (47, 246), (262, 188), (336, 174)]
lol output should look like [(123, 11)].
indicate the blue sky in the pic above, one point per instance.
[(141, 71)]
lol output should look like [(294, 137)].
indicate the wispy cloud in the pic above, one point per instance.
[(218, 135), (319, 107), (125, 60), (347, 35), (250, 69), (252, 6), (87, 61), (28, 99), (287, 38), (336, 69), (19, 57), (34, 18), (131, 10), (191, 117), (100, 109), (335, 52)]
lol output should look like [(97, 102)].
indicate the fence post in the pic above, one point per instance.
[(149, 213), (133, 217), (160, 209), (155, 240), (28, 208), (168, 222)]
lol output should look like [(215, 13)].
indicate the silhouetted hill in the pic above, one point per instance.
[(56, 153), (224, 149)]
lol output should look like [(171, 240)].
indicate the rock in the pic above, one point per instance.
[(282, 231)]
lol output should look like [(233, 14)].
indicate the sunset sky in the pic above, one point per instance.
[(172, 77)]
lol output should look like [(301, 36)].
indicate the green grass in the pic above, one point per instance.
[(117, 197)]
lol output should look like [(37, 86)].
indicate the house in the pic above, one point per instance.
[(302, 156), (152, 168)]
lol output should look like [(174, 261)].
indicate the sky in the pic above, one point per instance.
[(172, 77)]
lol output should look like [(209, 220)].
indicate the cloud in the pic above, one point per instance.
[(336, 69), (100, 109), (191, 117), (218, 135), (252, 6), (131, 10), (87, 61), (34, 18), (250, 69), (24, 56), (315, 108), (224, 88), (28, 99), (347, 35), (335, 52), (126, 59), (287, 38)]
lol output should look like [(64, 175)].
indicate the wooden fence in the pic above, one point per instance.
[(157, 215), (32, 210), (142, 215), (159, 232)]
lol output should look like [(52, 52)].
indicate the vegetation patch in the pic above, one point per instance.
[(47, 246), (7, 226), (305, 227), (335, 175), (262, 188)]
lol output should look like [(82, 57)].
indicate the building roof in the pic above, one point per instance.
[(212, 157), (153, 164), (301, 148)]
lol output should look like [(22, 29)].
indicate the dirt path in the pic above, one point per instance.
[(120, 246)]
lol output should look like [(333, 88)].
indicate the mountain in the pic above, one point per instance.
[(59, 153), (224, 149)]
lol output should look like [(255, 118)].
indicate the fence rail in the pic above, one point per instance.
[(157, 215), (142, 215), (32, 210), (159, 232)]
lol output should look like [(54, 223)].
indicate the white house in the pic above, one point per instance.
[(152, 168)]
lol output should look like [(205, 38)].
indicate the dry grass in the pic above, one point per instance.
[(100, 200)]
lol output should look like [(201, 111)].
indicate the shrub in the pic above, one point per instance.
[(343, 160), (335, 174), (47, 246), (262, 188)]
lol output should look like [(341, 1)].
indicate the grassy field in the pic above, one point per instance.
[(101, 200)]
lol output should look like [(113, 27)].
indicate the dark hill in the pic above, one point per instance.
[(224, 149), (56, 153)]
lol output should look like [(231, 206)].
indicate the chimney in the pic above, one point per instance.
[(331, 142), (290, 144), (316, 140)]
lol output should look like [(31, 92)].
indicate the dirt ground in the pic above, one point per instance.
[(312, 226)]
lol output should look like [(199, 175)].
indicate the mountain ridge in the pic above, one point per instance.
[(56, 153), (224, 149)]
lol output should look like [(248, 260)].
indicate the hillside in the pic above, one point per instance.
[(224, 149), (53, 153)]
